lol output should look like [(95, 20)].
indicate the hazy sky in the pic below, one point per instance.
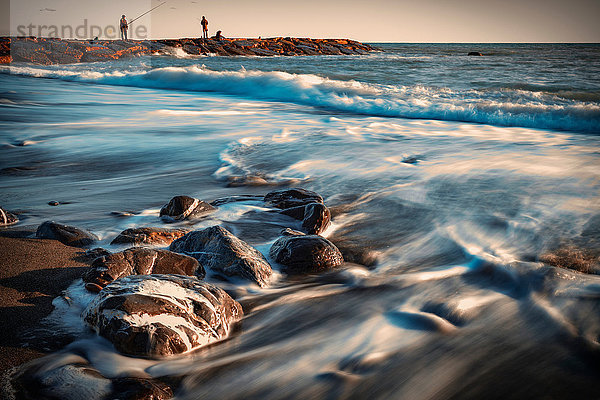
[(366, 20)]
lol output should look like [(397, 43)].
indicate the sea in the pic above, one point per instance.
[(450, 179)]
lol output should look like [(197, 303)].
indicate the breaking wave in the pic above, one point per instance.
[(506, 107)]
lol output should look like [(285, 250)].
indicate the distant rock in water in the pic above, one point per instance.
[(7, 218), (139, 261), (67, 51), (303, 254), (184, 207), (474, 53), (221, 252), (292, 198), (148, 235), (160, 315), (69, 235)]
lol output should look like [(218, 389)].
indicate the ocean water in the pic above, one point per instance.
[(448, 178)]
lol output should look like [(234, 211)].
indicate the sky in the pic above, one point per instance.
[(366, 20)]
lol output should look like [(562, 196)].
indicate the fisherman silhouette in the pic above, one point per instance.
[(124, 27), (204, 24)]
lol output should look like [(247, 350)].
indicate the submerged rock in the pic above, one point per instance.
[(7, 218), (159, 315), (292, 198), (69, 235), (575, 258), (315, 217), (184, 207), (139, 261), (137, 236), (221, 252), (302, 254), (140, 389)]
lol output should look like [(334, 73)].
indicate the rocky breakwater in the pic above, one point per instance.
[(48, 51)]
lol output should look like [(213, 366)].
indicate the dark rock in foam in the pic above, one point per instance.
[(184, 207), (292, 198), (302, 254), (156, 236), (315, 217), (159, 315), (69, 235), (139, 261), (7, 218), (221, 252)]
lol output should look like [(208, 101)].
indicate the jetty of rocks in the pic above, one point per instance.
[(67, 51)]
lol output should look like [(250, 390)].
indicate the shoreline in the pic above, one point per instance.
[(47, 51)]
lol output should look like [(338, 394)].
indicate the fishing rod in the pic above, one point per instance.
[(152, 9)]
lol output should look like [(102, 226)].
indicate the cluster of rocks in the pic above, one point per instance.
[(153, 302), (66, 51)]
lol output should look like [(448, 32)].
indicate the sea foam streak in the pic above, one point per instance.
[(505, 107)]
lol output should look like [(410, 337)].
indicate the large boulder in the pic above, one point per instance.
[(315, 217), (224, 254), (184, 207), (139, 261), (292, 198), (69, 235), (159, 315), (303, 254), (154, 236), (7, 218)]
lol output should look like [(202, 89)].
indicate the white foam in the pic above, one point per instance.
[(508, 108)]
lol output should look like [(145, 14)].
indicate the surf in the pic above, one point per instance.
[(506, 107)]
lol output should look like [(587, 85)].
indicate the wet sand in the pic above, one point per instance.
[(32, 273)]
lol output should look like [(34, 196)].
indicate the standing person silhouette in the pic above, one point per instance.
[(124, 26), (204, 24)]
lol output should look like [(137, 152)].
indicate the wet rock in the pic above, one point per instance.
[(92, 254), (355, 251), (247, 180), (139, 261), (292, 198), (315, 217), (184, 207), (53, 377), (140, 389), (303, 254), (234, 199), (159, 315), (155, 236), (122, 214), (69, 235), (291, 232), (7, 218), (221, 252)]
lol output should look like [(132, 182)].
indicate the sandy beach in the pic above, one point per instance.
[(32, 273)]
